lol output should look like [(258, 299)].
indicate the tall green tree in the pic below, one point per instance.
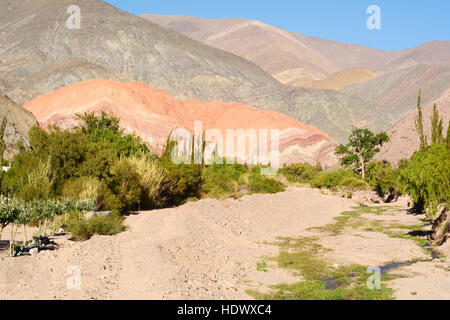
[(419, 124), (437, 127), (362, 146)]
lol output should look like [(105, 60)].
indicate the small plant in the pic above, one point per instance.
[(262, 266)]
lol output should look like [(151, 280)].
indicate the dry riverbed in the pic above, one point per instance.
[(221, 249)]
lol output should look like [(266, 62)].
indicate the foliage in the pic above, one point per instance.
[(300, 172), (339, 179), (187, 179), (385, 179), (157, 187), (262, 184), (221, 180), (437, 128), (82, 229), (125, 184), (419, 124), (362, 146), (429, 177)]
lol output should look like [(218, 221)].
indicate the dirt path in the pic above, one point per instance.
[(203, 250)]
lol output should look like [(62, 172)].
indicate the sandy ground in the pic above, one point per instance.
[(209, 250)]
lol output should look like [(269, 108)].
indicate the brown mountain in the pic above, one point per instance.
[(153, 114), (339, 79), (275, 50), (292, 57), (404, 138), (19, 122), (116, 45), (397, 92)]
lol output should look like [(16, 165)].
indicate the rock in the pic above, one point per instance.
[(34, 252)]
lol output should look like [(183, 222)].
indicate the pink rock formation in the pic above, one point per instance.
[(153, 114)]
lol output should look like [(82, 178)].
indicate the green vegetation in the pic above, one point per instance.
[(321, 280), (262, 184), (387, 181), (300, 172), (339, 179), (362, 146), (83, 229)]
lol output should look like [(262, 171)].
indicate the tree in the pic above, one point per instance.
[(362, 146), (437, 128), (419, 124)]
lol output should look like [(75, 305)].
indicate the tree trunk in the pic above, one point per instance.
[(441, 226), (363, 166)]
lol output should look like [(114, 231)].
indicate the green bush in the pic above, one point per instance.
[(222, 180), (386, 180), (157, 187), (300, 172), (187, 179), (263, 184), (429, 178), (82, 229), (339, 179), (125, 184)]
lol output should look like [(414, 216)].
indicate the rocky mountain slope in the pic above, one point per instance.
[(19, 122), (275, 50), (292, 57), (404, 138), (397, 92), (116, 45), (153, 114), (340, 79)]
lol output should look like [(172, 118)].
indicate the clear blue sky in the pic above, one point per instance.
[(404, 23)]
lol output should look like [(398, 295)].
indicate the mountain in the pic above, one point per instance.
[(397, 92), (404, 138), (116, 45), (19, 122), (275, 50), (340, 79), (155, 114), (292, 57)]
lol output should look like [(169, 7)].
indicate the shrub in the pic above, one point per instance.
[(429, 178), (339, 179), (262, 184), (187, 179), (125, 184), (221, 180), (300, 172), (82, 229), (157, 187), (386, 180), (83, 188)]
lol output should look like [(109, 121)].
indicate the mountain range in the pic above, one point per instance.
[(294, 58), (155, 114), (322, 83), (116, 45)]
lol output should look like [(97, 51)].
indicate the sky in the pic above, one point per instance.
[(404, 23)]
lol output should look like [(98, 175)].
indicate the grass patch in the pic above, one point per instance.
[(304, 256)]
